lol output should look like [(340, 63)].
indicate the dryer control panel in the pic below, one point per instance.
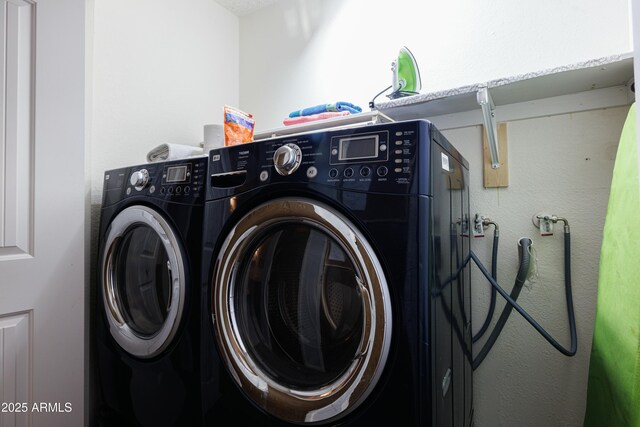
[(174, 181), (385, 158)]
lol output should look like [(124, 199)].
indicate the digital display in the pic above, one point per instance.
[(361, 147), (177, 173)]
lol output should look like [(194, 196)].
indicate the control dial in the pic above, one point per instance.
[(139, 179), (287, 159)]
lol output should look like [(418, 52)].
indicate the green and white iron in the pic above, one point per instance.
[(406, 75)]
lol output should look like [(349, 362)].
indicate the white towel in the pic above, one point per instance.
[(173, 152)]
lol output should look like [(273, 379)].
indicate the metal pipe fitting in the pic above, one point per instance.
[(566, 224), (555, 219), (487, 221)]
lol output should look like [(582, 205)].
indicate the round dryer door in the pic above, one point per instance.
[(301, 310), (143, 281)]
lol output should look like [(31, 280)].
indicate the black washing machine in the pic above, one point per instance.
[(148, 309), (329, 280)]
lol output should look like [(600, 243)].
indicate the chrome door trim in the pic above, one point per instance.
[(130, 341), (334, 400)]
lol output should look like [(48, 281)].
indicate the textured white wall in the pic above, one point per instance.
[(561, 165), (162, 69), (297, 53)]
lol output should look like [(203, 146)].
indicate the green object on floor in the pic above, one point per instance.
[(613, 397)]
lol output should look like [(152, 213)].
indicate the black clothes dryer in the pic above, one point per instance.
[(329, 279), (148, 302)]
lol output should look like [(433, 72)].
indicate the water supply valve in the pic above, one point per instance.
[(481, 223), (545, 223), (478, 227), (464, 225)]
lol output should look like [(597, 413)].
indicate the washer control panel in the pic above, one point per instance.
[(176, 181), (385, 158)]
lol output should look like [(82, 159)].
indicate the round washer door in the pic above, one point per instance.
[(301, 310), (143, 281)]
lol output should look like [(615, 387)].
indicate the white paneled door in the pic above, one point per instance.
[(42, 212)]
